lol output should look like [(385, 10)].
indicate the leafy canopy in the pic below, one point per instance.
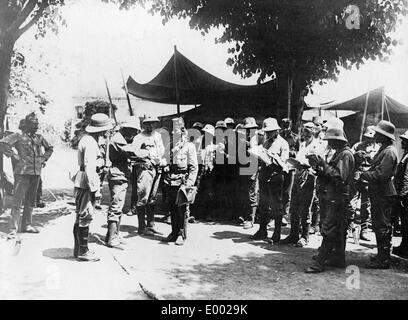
[(305, 38)]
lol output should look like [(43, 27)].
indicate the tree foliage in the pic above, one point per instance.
[(308, 39)]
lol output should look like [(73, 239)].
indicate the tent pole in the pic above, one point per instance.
[(176, 80), (289, 96), (382, 103), (364, 116)]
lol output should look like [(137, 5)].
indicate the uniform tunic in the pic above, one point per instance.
[(86, 180), (182, 171), (271, 178), (118, 175), (149, 150), (304, 185), (28, 163), (381, 188)]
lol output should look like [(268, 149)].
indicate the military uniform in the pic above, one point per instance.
[(382, 191), (270, 187), (364, 153), (336, 175), (28, 163), (118, 177), (149, 151), (401, 186), (303, 194), (294, 142), (181, 172)]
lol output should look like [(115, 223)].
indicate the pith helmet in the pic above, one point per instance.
[(150, 119), (385, 128), (209, 128), (270, 124), (335, 134), (132, 122), (99, 122)]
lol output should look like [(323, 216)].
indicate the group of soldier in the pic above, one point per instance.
[(314, 179)]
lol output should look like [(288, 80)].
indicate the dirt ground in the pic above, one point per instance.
[(219, 261)]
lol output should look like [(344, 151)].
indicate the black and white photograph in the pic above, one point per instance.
[(191, 151)]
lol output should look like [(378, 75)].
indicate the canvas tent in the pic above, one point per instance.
[(182, 82), (369, 108)]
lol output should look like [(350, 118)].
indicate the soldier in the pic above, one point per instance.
[(401, 185), (337, 174), (249, 183), (273, 154), (381, 191), (149, 150), (303, 188), (28, 162), (180, 175), (87, 183), (230, 123), (205, 180), (119, 175), (364, 153), (293, 140)]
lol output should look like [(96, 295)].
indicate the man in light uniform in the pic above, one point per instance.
[(87, 183), (273, 155), (181, 173), (303, 188), (149, 150)]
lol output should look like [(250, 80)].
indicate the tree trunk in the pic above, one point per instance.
[(6, 52)]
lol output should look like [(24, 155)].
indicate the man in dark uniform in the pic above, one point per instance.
[(180, 174), (401, 185), (338, 174), (294, 142), (273, 155), (29, 160), (118, 176), (382, 192)]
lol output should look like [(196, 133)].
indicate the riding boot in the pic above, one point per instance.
[(141, 213), (382, 261), (76, 240), (277, 231), (84, 254), (305, 231), (293, 236), (324, 252)]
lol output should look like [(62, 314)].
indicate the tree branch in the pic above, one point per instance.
[(34, 20), (29, 7)]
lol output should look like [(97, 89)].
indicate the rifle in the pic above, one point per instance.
[(127, 94), (111, 104), (111, 112)]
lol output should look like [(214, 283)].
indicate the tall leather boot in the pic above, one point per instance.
[(293, 236), (76, 240), (277, 231), (382, 261), (141, 213), (113, 238), (262, 232), (172, 237), (402, 250), (319, 264), (150, 218), (84, 254)]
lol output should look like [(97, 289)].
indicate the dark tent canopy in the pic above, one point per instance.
[(375, 99), (377, 105), (195, 85)]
